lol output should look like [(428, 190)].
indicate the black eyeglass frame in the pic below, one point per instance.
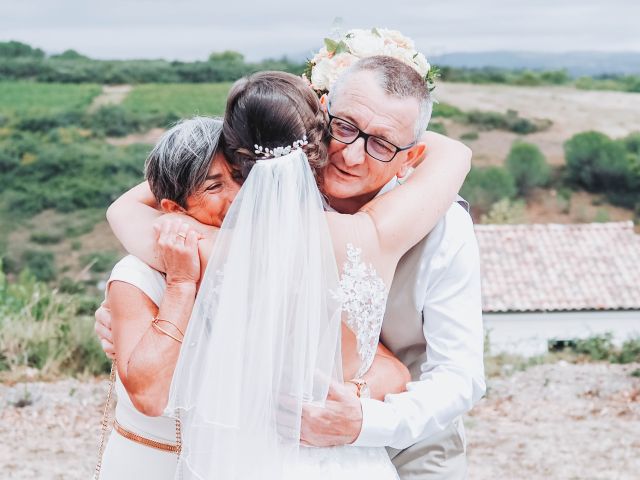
[(365, 136)]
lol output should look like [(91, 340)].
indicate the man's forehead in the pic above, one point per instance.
[(361, 99)]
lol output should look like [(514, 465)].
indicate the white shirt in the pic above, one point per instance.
[(433, 324)]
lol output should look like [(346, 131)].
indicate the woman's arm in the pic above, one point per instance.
[(147, 354), (386, 375), (405, 215), (146, 357), (132, 218)]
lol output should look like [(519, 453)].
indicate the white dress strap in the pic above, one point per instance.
[(135, 272)]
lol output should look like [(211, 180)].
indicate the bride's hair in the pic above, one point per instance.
[(273, 109)]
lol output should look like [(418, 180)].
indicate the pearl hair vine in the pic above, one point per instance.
[(279, 151)]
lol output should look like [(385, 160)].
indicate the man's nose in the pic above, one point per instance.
[(354, 154)]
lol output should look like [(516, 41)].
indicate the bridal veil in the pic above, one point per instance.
[(264, 334)]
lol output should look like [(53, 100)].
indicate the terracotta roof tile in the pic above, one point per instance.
[(551, 267)]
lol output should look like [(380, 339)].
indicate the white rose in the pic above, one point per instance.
[(326, 72), (417, 62), (320, 75), (397, 38), (364, 43)]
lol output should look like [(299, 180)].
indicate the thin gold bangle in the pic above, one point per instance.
[(162, 330), (156, 320)]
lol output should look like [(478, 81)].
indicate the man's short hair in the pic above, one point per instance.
[(178, 165), (397, 79)]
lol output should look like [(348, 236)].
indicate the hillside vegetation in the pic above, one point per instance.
[(65, 155)]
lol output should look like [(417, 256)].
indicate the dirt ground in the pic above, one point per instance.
[(110, 95), (557, 421), (571, 111)]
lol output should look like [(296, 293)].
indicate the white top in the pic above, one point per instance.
[(135, 272), (435, 328)]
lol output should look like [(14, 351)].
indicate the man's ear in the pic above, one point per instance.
[(415, 155), (324, 102), (169, 206)]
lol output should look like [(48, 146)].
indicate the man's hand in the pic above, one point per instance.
[(103, 330), (338, 423)]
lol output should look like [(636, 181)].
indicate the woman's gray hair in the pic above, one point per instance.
[(178, 165), (397, 79)]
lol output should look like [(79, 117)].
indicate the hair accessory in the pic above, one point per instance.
[(279, 151)]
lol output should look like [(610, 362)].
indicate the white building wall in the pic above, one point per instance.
[(528, 333)]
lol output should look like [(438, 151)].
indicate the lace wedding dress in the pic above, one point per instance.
[(363, 296), (264, 335)]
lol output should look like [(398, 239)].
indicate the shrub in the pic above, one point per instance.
[(596, 163), (100, 261), (528, 166), (49, 121), (602, 216), (485, 186), (509, 121), (41, 328), (66, 174), (437, 127), (632, 142), (597, 347), (41, 264), (45, 238), (629, 352), (469, 136), (113, 121), (445, 110), (505, 211)]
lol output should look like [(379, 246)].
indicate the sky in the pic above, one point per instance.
[(191, 29)]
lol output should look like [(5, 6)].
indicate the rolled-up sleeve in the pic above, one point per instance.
[(452, 378)]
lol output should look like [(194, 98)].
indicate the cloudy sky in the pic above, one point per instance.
[(191, 29)]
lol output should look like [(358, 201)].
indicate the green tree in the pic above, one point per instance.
[(70, 55), (528, 166), (485, 186), (597, 163), (40, 264), (13, 49), (226, 56)]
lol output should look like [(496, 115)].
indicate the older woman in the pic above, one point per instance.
[(150, 311)]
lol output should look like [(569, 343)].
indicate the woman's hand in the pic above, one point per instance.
[(178, 247)]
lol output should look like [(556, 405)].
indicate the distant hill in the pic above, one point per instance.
[(576, 63)]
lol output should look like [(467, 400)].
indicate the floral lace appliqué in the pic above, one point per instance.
[(363, 297)]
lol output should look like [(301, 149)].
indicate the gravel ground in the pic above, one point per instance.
[(559, 421)]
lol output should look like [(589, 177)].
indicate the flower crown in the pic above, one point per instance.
[(338, 55), (279, 151)]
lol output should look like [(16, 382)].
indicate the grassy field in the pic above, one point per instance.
[(24, 98), (183, 100)]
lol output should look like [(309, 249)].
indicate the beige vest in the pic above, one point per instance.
[(402, 329)]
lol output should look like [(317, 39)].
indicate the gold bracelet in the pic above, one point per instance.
[(157, 327), (156, 320)]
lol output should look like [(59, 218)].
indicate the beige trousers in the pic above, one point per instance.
[(440, 457)]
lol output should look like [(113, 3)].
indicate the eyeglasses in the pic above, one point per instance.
[(376, 147)]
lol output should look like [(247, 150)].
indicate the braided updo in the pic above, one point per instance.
[(273, 109)]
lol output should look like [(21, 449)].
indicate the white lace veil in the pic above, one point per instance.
[(264, 334)]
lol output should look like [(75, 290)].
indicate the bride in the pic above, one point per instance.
[(292, 298)]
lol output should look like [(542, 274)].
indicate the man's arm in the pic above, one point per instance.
[(452, 378)]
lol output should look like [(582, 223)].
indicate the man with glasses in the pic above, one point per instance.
[(378, 112)]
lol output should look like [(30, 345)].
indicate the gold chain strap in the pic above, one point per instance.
[(105, 424), (105, 420)]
